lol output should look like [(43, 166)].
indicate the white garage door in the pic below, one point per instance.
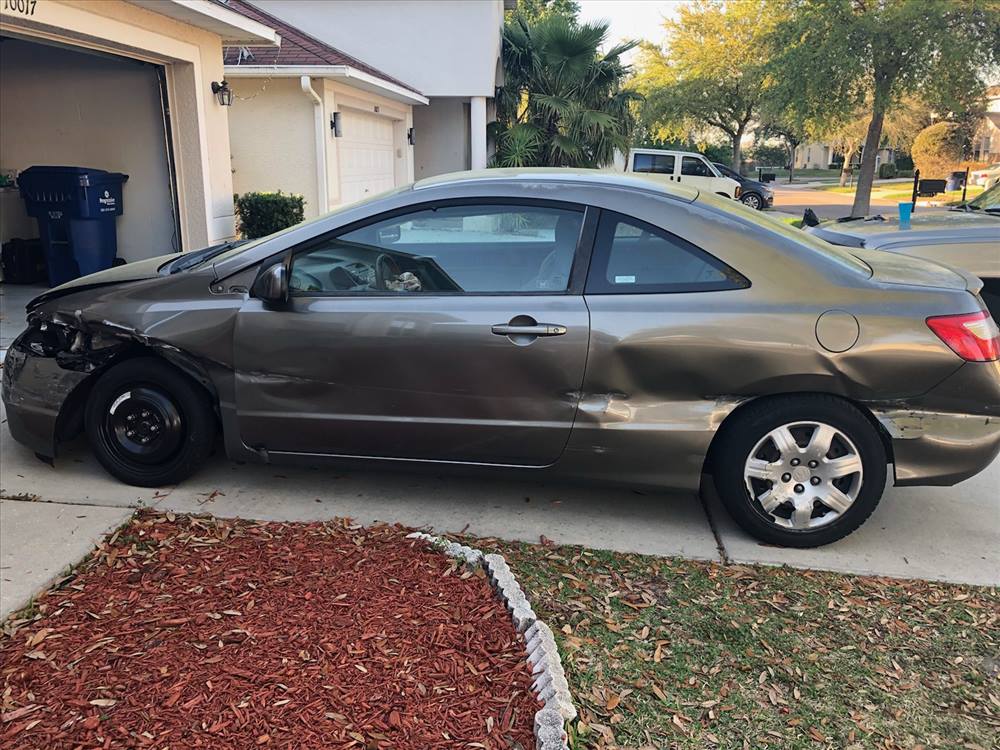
[(366, 155)]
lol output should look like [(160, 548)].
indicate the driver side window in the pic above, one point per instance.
[(487, 249)]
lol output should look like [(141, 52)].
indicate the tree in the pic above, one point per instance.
[(535, 10), (937, 149), (713, 71), (563, 103), (835, 59), (791, 133), (903, 120)]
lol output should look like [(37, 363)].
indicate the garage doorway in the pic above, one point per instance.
[(72, 107), (367, 149)]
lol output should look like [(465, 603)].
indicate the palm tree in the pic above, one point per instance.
[(562, 103)]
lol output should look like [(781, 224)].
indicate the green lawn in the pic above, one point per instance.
[(802, 175), (669, 653), (894, 193)]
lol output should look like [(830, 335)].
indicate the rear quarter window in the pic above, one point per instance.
[(633, 257)]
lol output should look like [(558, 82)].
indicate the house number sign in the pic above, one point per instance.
[(24, 7)]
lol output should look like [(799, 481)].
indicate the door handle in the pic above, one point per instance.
[(539, 329)]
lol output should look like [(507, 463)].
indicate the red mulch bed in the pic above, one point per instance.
[(194, 632)]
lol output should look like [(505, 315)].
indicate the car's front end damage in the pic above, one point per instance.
[(47, 371), (76, 332)]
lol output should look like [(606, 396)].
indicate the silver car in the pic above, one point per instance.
[(967, 237), (598, 326)]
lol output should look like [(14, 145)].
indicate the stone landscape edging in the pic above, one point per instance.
[(550, 685)]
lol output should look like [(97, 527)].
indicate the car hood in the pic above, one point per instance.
[(130, 272), (873, 232)]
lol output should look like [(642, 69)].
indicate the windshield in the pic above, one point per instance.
[(244, 245), (988, 200)]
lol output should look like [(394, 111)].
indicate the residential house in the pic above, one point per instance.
[(310, 119), (125, 86), (986, 143), (821, 155), (448, 51)]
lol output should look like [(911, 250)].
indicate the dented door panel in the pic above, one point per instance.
[(413, 377)]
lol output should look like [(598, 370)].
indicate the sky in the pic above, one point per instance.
[(631, 19)]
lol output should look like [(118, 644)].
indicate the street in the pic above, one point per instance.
[(793, 199)]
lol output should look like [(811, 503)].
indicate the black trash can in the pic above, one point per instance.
[(76, 208)]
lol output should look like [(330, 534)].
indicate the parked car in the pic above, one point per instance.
[(986, 177), (595, 325), (685, 167), (967, 236), (754, 194)]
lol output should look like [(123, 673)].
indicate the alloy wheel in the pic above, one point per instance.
[(752, 201), (802, 476)]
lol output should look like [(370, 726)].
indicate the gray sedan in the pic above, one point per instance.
[(597, 326)]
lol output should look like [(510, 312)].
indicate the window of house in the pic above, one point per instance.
[(655, 163), (633, 257), (485, 249)]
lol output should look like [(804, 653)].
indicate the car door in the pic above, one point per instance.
[(444, 332), (696, 172)]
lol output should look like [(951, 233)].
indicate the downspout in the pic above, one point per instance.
[(322, 197)]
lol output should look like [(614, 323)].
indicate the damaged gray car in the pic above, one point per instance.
[(586, 324)]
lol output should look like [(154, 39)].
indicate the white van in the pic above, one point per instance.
[(684, 167)]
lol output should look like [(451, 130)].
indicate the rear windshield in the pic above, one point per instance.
[(764, 220)]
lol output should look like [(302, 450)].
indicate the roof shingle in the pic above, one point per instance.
[(297, 48)]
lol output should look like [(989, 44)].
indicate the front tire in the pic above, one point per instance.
[(800, 471), (752, 200), (148, 424)]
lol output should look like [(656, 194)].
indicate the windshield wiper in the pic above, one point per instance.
[(192, 259)]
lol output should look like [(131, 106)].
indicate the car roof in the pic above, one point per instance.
[(596, 177)]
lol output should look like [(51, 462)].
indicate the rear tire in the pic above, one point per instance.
[(148, 424), (800, 471)]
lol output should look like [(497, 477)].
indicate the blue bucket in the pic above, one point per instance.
[(905, 211)]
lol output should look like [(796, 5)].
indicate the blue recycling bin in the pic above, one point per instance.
[(76, 208)]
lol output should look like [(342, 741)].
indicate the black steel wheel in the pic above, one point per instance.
[(149, 424)]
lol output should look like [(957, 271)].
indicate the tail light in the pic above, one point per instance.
[(974, 336)]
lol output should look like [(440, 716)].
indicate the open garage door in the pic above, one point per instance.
[(69, 107), (366, 149)]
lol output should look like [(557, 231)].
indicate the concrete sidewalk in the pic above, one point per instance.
[(53, 516)]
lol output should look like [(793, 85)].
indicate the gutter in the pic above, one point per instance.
[(354, 77), (322, 196)]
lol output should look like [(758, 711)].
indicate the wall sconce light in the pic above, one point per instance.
[(223, 93), (409, 136), (335, 125)]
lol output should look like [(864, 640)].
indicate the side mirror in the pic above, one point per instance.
[(272, 285)]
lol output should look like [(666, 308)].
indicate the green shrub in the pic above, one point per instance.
[(887, 171), (904, 173), (937, 150), (261, 214)]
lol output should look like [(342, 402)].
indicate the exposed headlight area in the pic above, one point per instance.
[(73, 347)]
